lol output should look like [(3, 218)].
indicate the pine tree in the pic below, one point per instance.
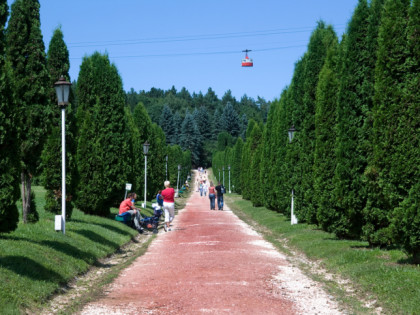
[(166, 122), (229, 120), (325, 118), (387, 171), (103, 151), (58, 64), (190, 138), (256, 143), (26, 53), (9, 164)]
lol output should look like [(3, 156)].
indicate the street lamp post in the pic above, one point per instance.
[(219, 176), (229, 178), (177, 181), (223, 176), (145, 152), (293, 219), (62, 89), (166, 177)]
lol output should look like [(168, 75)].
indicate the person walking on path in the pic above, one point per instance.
[(212, 196), (127, 206), (220, 190), (168, 195), (205, 187)]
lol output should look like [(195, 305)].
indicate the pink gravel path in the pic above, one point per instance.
[(211, 262)]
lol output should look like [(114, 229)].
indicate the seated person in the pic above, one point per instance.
[(128, 206), (159, 198)]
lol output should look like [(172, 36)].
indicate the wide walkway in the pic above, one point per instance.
[(211, 262)]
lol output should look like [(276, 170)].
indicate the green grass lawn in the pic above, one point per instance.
[(381, 275), (35, 260)]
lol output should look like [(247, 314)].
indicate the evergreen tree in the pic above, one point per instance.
[(325, 118), (389, 171), (321, 39), (156, 161), (9, 164), (190, 138), (203, 121), (144, 126), (256, 191), (354, 103), (58, 64), (229, 120), (177, 127), (166, 122), (406, 217), (26, 53), (243, 125), (103, 151), (236, 165)]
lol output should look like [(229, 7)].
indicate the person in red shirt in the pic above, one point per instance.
[(168, 195), (127, 205)]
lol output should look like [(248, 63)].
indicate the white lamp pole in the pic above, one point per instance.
[(62, 89), (177, 181), (223, 175), (145, 152), (293, 219), (229, 178), (166, 177)]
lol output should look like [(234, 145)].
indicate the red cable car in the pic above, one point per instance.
[(247, 62)]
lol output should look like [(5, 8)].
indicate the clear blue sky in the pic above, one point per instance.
[(192, 43)]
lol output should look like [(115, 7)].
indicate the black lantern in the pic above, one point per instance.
[(62, 89), (291, 131), (146, 148)]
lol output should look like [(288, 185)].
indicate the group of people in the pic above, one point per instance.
[(216, 192), (165, 199)]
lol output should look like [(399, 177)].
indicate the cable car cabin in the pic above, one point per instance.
[(247, 62)]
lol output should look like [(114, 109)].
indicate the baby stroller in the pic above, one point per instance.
[(152, 223)]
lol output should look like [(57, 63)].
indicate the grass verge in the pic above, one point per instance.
[(36, 261), (382, 277)]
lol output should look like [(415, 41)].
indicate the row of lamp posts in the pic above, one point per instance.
[(62, 88)]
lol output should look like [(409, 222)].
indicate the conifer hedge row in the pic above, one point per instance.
[(354, 160), (104, 138)]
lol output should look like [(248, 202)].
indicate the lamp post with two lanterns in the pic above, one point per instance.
[(62, 89)]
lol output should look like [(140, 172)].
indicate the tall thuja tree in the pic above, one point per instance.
[(166, 122), (256, 150), (104, 138), (321, 40), (243, 124), (26, 53), (135, 147), (389, 171), (144, 125), (58, 64), (9, 163), (190, 138), (236, 165), (246, 162), (291, 166), (406, 217), (354, 103), (269, 159), (156, 161), (229, 120), (325, 119)]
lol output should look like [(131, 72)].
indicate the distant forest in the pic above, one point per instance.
[(201, 123)]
